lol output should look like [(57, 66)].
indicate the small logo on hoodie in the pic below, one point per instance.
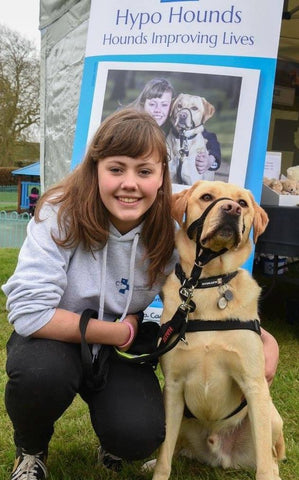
[(124, 283)]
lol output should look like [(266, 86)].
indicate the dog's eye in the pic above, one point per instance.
[(194, 109), (206, 197), (180, 105), (243, 204)]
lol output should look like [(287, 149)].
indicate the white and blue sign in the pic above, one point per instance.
[(223, 51)]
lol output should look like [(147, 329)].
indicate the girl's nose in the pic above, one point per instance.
[(129, 181)]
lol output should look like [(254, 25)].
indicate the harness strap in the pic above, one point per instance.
[(95, 377), (189, 414), (229, 324), (237, 410), (86, 355)]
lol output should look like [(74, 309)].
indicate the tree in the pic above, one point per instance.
[(19, 92)]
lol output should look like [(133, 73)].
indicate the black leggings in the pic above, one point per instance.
[(44, 377)]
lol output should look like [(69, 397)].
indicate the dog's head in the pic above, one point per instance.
[(190, 111), (228, 222)]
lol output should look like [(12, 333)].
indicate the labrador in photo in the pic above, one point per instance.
[(185, 140), (217, 401)]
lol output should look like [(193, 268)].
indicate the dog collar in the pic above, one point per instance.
[(208, 282), (182, 132)]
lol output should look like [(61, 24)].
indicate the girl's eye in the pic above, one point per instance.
[(114, 169), (145, 173), (243, 204)]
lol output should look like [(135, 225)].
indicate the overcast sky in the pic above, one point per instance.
[(22, 16)]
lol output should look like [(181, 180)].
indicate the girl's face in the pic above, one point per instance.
[(159, 107), (128, 187)]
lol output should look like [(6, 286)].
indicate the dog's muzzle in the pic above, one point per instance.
[(197, 225), (184, 119), (228, 227)]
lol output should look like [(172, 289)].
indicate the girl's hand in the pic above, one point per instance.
[(203, 162)]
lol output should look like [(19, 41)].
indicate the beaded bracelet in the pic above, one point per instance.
[(132, 333)]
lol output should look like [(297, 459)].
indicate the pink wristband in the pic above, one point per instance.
[(132, 333)]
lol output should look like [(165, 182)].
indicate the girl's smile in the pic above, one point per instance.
[(128, 200), (128, 187)]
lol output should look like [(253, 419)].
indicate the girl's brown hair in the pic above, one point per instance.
[(153, 89), (82, 216)]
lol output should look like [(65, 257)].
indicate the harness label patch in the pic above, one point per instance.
[(167, 334)]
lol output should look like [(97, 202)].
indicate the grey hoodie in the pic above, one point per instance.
[(112, 280)]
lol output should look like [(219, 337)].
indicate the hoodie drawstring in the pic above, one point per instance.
[(131, 275), (96, 347)]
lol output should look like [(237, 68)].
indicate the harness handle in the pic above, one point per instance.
[(177, 325)]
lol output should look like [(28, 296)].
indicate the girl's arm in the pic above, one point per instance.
[(64, 326), (271, 352)]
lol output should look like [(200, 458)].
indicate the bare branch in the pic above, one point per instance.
[(19, 91)]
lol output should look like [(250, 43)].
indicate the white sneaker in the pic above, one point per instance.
[(29, 467)]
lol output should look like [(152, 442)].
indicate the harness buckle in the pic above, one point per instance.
[(187, 294), (186, 307)]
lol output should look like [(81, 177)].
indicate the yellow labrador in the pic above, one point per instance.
[(208, 377), (185, 140)]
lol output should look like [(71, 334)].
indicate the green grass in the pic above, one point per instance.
[(8, 201), (73, 447)]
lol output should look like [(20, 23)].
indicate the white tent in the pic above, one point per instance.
[(63, 25)]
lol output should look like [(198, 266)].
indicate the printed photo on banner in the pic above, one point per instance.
[(205, 112)]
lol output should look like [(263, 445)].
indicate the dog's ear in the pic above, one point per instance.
[(209, 110), (179, 205), (174, 104), (172, 107), (260, 220)]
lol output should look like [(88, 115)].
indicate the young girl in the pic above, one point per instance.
[(155, 99), (103, 239)]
